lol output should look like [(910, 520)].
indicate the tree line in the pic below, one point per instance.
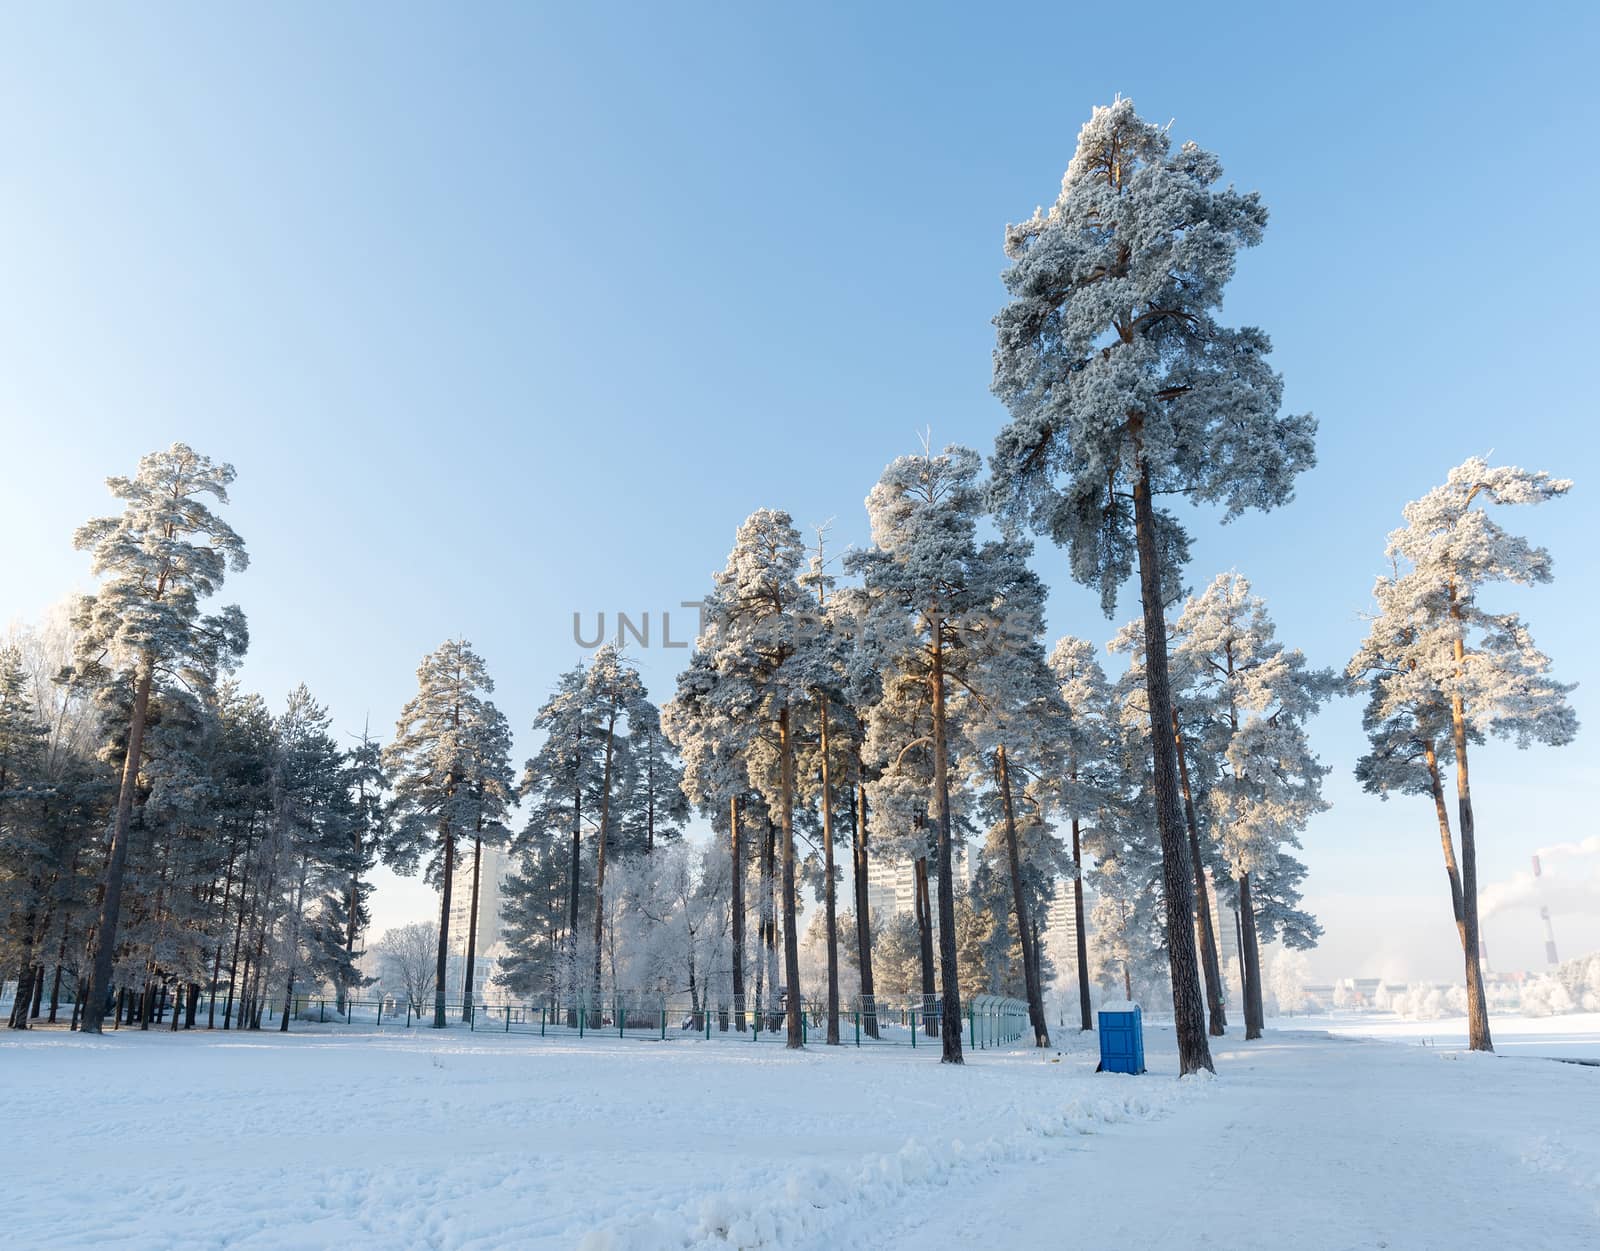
[(162, 832)]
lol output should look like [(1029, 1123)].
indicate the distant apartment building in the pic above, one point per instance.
[(892, 884), (1224, 923)]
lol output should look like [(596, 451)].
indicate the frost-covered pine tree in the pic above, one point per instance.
[(898, 753), (158, 559), (431, 764), (25, 852), (560, 784), (617, 697), (491, 787), (1017, 726), (938, 593), (758, 632), (1444, 671), (311, 829), (1123, 386), (717, 781), (654, 807), (1130, 917), (833, 664), (1087, 747), (1255, 697), (366, 785), (1194, 769)]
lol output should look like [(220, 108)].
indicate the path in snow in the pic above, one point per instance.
[(1326, 1142), (472, 1142)]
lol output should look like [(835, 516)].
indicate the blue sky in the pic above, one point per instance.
[(514, 312)]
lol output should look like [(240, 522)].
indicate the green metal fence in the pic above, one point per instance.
[(987, 1020)]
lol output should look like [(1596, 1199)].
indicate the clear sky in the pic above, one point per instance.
[(506, 313)]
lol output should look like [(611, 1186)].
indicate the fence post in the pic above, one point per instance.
[(858, 1027), (708, 1021), (972, 1027), (380, 1014), (542, 1007), (581, 1014), (916, 1028)]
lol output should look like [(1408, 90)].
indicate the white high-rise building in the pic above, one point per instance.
[(1224, 923), (1060, 937), (892, 884), (891, 888)]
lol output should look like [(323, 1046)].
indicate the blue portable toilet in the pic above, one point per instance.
[(1121, 1038)]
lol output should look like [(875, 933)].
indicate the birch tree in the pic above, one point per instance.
[(1122, 386)]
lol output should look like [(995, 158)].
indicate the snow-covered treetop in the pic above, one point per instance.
[(1111, 362), (159, 558), (1257, 696), (1457, 544), (1432, 640), (445, 743)]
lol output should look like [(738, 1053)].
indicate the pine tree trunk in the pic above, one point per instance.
[(1477, 1006), (925, 945), (600, 858), (294, 944), (1211, 966), (769, 936), (1251, 953), (572, 888), (222, 920), (949, 973), (233, 962), (1188, 1006), (447, 836), (736, 907), (869, 999), (1080, 924), (1019, 906), (472, 926), (105, 944), (55, 983), (1442, 815), (791, 939), (830, 902), (24, 996), (288, 1002)]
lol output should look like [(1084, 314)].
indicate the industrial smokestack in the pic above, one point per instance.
[(1550, 956)]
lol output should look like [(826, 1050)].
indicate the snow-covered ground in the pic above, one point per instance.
[(1575, 1036), (413, 1139)]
